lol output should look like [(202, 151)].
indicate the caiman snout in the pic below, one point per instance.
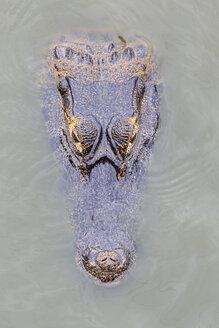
[(108, 260), (106, 265)]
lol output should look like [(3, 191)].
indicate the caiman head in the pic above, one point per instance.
[(107, 260), (110, 116)]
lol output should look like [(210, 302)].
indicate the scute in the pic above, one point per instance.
[(89, 61)]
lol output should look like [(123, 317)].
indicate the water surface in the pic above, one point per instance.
[(175, 281)]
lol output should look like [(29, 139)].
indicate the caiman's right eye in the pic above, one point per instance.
[(124, 133), (83, 133)]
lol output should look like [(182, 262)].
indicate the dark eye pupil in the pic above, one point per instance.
[(74, 137)]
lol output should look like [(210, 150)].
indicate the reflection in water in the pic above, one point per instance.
[(175, 282)]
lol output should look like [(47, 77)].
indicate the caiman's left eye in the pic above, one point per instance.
[(83, 133), (124, 133)]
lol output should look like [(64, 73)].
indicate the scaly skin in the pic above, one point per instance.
[(102, 111)]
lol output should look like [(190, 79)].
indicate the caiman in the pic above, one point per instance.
[(102, 99)]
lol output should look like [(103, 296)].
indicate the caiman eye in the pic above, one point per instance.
[(83, 133), (124, 133)]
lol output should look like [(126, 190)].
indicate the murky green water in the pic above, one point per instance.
[(175, 283)]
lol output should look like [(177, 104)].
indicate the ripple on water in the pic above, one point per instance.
[(177, 179), (175, 280), (19, 59)]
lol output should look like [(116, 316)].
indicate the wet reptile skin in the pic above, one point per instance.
[(101, 104)]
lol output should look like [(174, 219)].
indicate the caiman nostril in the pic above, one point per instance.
[(108, 259)]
